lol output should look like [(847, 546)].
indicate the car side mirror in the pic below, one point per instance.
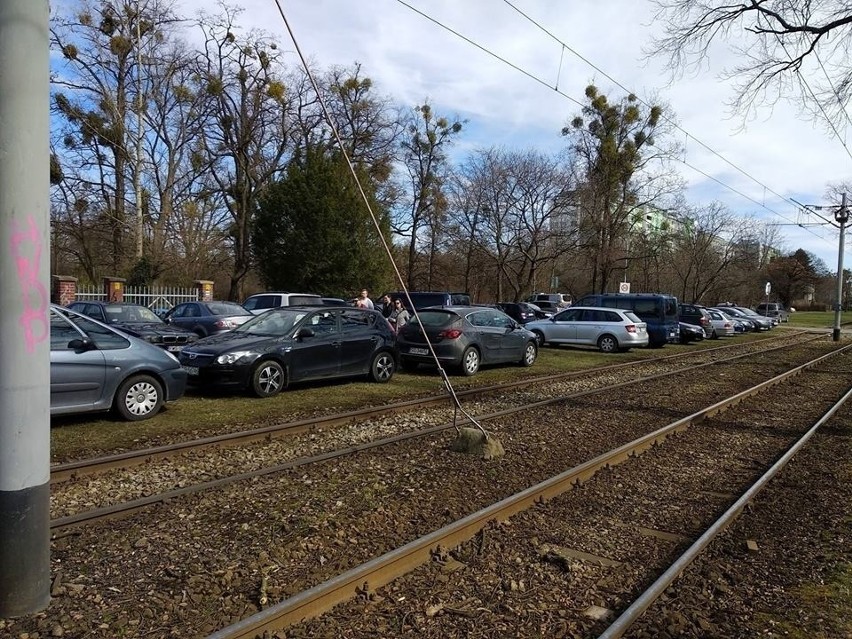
[(305, 332), (80, 345)]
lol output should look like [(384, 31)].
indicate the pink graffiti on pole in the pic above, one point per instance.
[(26, 247)]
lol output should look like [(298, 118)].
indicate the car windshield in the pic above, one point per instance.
[(274, 322), (435, 319), (130, 314), (227, 308)]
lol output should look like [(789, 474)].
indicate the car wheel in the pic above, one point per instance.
[(382, 368), (714, 334), (608, 344), (139, 397), (198, 330), (268, 379), (539, 338), (470, 361), (530, 354)]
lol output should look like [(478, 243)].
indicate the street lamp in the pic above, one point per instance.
[(842, 216)]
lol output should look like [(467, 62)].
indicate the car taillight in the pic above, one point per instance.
[(225, 324), (631, 328), (450, 333), (704, 321), (728, 325)]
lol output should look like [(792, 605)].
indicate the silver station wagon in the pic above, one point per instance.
[(610, 329)]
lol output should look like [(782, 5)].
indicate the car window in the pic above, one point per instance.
[(479, 318), (104, 338), (309, 300), (191, 310), (435, 319), (609, 316), (323, 323), (633, 317), (571, 315), (647, 308), (353, 320), (62, 332), (261, 301)]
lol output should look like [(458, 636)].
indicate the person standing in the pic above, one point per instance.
[(400, 315), (387, 306), (364, 300)]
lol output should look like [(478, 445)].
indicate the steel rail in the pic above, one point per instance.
[(124, 509), (647, 598), (70, 470), (395, 563)]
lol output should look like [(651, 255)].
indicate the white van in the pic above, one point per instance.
[(261, 302)]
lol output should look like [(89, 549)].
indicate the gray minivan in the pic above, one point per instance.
[(262, 302), (775, 310)]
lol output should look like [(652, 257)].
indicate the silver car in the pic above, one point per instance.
[(94, 367), (722, 324), (610, 329)]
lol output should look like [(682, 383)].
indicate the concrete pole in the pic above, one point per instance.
[(841, 216), (24, 300)]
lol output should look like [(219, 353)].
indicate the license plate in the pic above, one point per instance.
[(418, 351), (191, 370), (174, 349)]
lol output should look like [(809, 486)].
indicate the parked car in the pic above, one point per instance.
[(294, 344), (95, 367), (264, 301), (609, 329), (697, 315), (723, 325), (334, 301), (521, 312), (465, 337), (208, 318), (691, 333), (774, 310), (137, 320), (549, 308), (732, 311), (763, 323), (540, 313)]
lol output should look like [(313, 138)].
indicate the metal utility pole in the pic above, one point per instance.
[(24, 324), (842, 216), (137, 180)]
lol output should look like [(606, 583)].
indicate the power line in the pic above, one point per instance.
[(579, 103)]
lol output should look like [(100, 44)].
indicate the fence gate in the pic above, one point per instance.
[(157, 298)]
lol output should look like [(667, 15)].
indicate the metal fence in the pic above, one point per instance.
[(157, 298)]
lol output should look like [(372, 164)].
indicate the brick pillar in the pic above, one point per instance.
[(205, 290), (114, 289), (63, 289)]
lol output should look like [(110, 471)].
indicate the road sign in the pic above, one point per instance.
[(624, 287), (768, 287)]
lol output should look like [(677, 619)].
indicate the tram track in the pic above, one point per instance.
[(76, 469), (364, 583), (197, 563), (435, 423)]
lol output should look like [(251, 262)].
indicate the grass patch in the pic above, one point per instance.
[(198, 414), (816, 319)]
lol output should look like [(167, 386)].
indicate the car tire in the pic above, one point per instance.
[(470, 361), (139, 397), (714, 334), (382, 367), (198, 330), (530, 354), (268, 378), (608, 344), (539, 338)]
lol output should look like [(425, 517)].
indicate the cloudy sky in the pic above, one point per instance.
[(760, 163)]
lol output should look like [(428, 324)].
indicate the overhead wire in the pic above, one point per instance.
[(672, 122), (581, 104)]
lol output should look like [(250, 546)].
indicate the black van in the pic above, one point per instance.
[(424, 299)]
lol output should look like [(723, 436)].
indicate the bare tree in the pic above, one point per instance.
[(778, 43)]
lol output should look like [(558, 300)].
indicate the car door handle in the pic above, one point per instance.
[(338, 344)]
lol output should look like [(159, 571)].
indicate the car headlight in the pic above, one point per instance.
[(233, 358)]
